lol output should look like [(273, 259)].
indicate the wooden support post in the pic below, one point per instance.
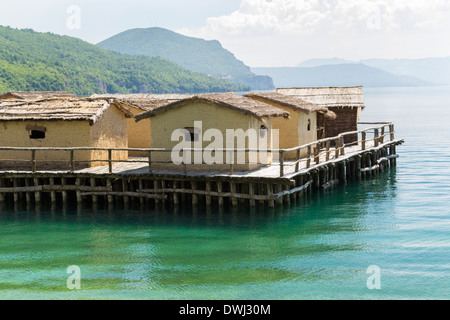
[(278, 190), (343, 173), (261, 192), (219, 190), (124, 190), (163, 186), (369, 165), (208, 195), (16, 194), (251, 192), (316, 179), (342, 145), (297, 165), (110, 198), (156, 187), (382, 135), (391, 132), (52, 193), (176, 200), (270, 202), (141, 186), (234, 200), (194, 196), (78, 193), (37, 194), (2, 196), (358, 167), (94, 197), (64, 193)]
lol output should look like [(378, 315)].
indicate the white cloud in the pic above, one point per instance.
[(331, 22)]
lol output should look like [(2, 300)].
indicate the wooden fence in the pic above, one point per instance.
[(325, 149)]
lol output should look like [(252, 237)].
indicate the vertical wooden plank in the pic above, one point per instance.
[(317, 153), (78, 193), (375, 138), (64, 193), (271, 202), (382, 135), (150, 161), (391, 132), (363, 140), (110, 168), (156, 187), (251, 192), (297, 165), (234, 200), (110, 198), (337, 145), (37, 194), (52, 193), (219, 190), (342, 145), (278, 189), (194, 196), (141, 186), (208, 196), (94, 197), (281, 163), (358, 167), (16, 194)]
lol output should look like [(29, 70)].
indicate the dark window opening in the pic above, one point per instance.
[(37, 134), (193, 133), (309, 125)]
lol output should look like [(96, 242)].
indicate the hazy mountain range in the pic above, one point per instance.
[(369, 73)]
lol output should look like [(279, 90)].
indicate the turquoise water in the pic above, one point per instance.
[(320, 249)]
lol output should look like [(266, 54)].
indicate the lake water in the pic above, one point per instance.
[(320, 249)]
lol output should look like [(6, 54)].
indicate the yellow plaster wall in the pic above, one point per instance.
[(212, 116), (110, 131), (139, 133)]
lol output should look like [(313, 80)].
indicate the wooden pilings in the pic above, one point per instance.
[(234, 191)]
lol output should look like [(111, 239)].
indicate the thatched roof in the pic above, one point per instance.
[(144, 101), (81, 109), (228, 100), (337, 97), (291, 102), (35, 95)]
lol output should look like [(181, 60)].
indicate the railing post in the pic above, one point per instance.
[(363, 140), (110, 160), (281, 163), (231, 158), (150, 161), (33, 160), (327, 150), (317, 153), (391, 131), (375, 138), (337, 144), (297, 165), (72, 163), (382, 135), (342, 145), (308, 160)]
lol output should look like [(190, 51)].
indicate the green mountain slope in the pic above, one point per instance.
[(43, 61), (191, 53)]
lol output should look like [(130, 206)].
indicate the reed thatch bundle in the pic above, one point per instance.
[(86, 109), (35, 95)]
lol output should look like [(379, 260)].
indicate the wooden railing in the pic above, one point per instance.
[(327, 149)]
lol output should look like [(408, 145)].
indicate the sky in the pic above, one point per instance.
[(261, 33)]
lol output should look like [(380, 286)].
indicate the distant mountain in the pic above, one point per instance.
[(338, 75), (322, 62), (435, 70), (32, 61), (191, 53)]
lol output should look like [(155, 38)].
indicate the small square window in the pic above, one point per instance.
[(37, 134)]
